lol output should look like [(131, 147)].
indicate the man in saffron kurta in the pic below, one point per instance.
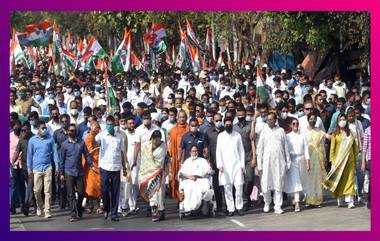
[(176, 134), (91, 178)]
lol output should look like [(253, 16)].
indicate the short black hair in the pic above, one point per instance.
[(156, 134), (110, 118), (40, 122)]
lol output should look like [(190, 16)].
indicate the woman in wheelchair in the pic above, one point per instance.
[(195, 182)]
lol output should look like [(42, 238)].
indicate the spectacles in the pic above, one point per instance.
[(72, 130), (295, 124), (308, 108)]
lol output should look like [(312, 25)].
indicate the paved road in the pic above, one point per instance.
[(328, 217)]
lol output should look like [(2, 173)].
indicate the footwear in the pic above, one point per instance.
[(297, 207), (240, 212), (73, 219), (12, 211), (25, 211), (115, 219), (339, 202), (106, 215), (351, 205), (80, 212), (39, 212), (230, 214), (47, 215), (360, 200), (266, 208), (278, 211), (124, 213)]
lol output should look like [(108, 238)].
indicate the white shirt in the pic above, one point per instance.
[(88, 101), (110, 151), (304, 123), (341, 89), (167, 126), (51, 126), (135, 98), (143, 134), (167, 91)]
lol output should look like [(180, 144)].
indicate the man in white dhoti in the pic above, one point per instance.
[(273, 161), (194, 181), (299, 153), (131, 189), (231, 164)]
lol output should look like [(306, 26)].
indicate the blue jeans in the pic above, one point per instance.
[(110, 185), (17, 188)]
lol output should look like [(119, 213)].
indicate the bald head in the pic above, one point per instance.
[(182, 117)]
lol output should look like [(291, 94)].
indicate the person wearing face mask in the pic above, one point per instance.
[(84, 126), (168, 124), (33, 120), (71, 170), (340, 106), (230, 160), (259, 122), (76, 117), (340, 86), (308, 108), (356, 129), (41, 152), (212, 138), (53, 124), (299, 153), (112, 159), (227, 91), (285, 120), (244, 129), (273, 161), (26, 103), (344, 153), (17, 181), (316, 164), (21, 167), (207, 121), (194, 181), (69, 93), (193, 137), (175, 137), (60, 136)]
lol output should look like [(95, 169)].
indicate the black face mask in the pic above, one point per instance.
[(241, 118), (312, 123), (228, 129)]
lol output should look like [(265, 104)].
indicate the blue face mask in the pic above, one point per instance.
[(264, 119), (301, 113), (65, 125), (110, 129), (51, 96), (44, 132), (38, 98), (77, 93), (218, 124)]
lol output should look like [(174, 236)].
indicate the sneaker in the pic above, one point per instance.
[(230, 214), (278, 211), (351, 205), (266, 208), (124, 213), (47, 215), (39, 212)]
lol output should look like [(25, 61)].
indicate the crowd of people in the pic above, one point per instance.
[(179, 134)]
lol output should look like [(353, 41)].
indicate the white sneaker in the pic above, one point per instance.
[(278, 211), (39, 212), (351, 205), (266, 208), (47, 214)]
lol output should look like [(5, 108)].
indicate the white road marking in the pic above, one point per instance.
[(238, 223)]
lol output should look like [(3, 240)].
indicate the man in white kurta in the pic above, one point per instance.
[(273, 160), (194, 181), (231, 164)]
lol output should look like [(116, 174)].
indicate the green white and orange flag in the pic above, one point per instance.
[(110, 94), (57, 50), (93, 49), (16, 53), (192, 37), (121, 61), (137, 63)]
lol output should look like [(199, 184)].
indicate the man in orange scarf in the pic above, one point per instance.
[(176, 135)]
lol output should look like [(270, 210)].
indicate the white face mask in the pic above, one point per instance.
[(342, 124), (193, 129), (284, 115), (194, 157), (248, 118), (74, 112)]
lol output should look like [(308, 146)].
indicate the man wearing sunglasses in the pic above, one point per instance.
[(41, 150)]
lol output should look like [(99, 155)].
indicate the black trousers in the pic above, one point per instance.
[(218, 190), (248, 184), (75, 184), (110, 185)]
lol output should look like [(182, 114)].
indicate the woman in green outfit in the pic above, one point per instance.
[(343, 155)]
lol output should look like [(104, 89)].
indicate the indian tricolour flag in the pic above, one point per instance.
[(36, 34), (111, 98), (156, 38), (261, 91), (69, 59), (93, 49), (121, 61), (16, 53), (192, 36)]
